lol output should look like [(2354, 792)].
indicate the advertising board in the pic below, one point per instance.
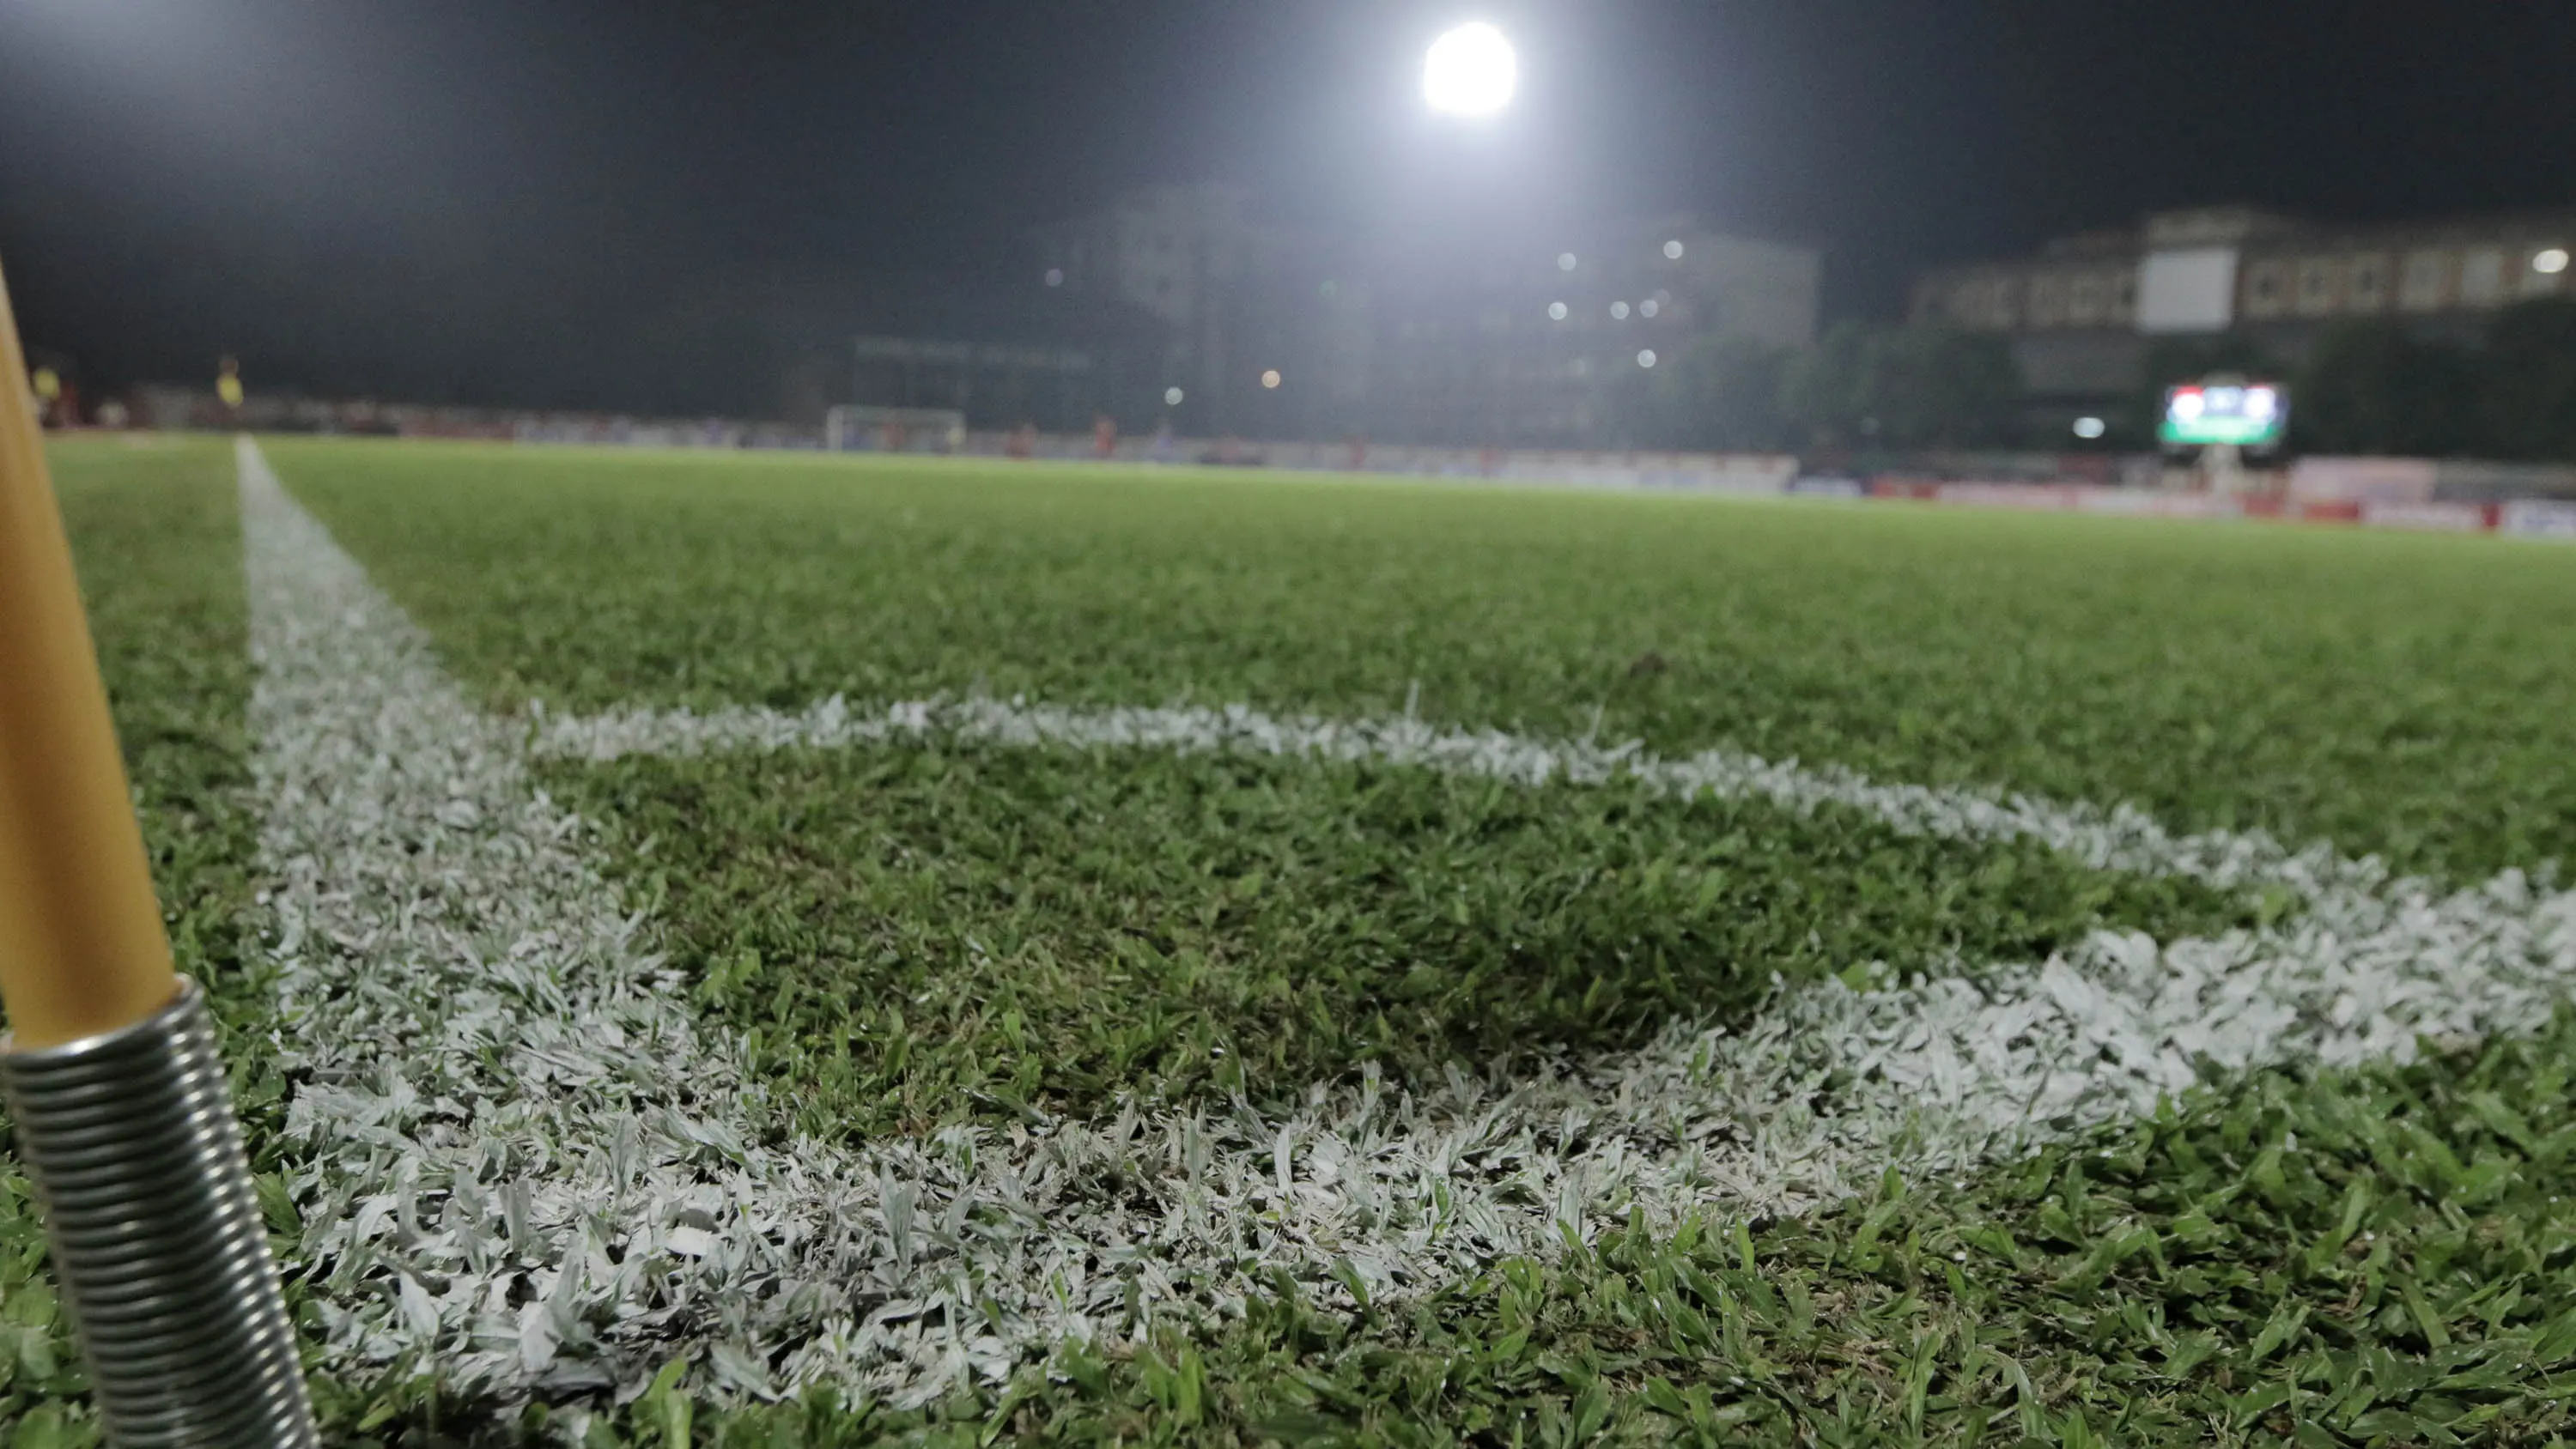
[(2244, 415), (2535, 518)]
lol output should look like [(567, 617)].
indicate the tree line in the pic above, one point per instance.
[(2369, 385), (2373, 385), (1919, 385)]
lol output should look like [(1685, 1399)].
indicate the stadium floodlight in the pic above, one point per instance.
[(1673, 250), (1647, 358), (1557, 311), (2090, 428), (1471, 71), (1565, 262), (1270, 379), (1172, 397), (110, 1068), (1619, 311), (2550, 261)]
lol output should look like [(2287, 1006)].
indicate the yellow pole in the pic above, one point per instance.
[(110, 1069), (82, 951)]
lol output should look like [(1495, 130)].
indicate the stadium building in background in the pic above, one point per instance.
[(1486, 339), (2084, 312)]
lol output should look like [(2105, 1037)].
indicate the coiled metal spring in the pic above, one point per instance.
[(157, 1237)]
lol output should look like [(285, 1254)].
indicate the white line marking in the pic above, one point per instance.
[(2125, 838), (530, 1164)]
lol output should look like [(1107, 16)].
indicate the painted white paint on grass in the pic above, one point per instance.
[(526, 1163), (2123, 838)]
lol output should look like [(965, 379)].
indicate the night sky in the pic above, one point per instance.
[(515, 200)]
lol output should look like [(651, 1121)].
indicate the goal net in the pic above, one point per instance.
[(849, 429)]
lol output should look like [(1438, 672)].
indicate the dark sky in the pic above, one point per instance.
[(485, 197)]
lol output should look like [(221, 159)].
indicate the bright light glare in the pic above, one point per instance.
[(2552, 261), (1565, 262), (1673, 250), (2090, 428), (1556, 311), (1172, 397), (1619, 310), (1646, 358), (1471, 71), (1649, 307), (1270, 379)]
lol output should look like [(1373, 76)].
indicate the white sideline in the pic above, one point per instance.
[(529, 1163)]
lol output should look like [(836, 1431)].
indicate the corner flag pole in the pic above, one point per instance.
[(110, 1069)]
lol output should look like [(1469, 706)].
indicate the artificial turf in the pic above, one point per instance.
[(2397, 695), (918, 937), (941, 931), (2376, 1258)]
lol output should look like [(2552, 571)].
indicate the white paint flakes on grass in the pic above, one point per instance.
[(2124, 838), (525, 1163)]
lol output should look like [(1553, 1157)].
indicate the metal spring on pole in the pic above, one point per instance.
[(157, 1237)]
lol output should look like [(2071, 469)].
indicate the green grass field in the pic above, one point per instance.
[(955, 934), (2398, 695)]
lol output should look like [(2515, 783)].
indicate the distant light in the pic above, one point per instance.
[(1565, 262), (1646, 358), (1619, 310), (1556, 311), (1471, 71), (1172, 397), (2090, 428), (2553, 261), (1055, 276), (1649, 307), (1673, 250), (1270, 379)]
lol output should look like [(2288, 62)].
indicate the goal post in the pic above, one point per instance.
[(856, 429)]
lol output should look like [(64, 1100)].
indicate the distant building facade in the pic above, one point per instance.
[(1001, 353), (1184, 256), (2084, 312), (1500, 340)]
